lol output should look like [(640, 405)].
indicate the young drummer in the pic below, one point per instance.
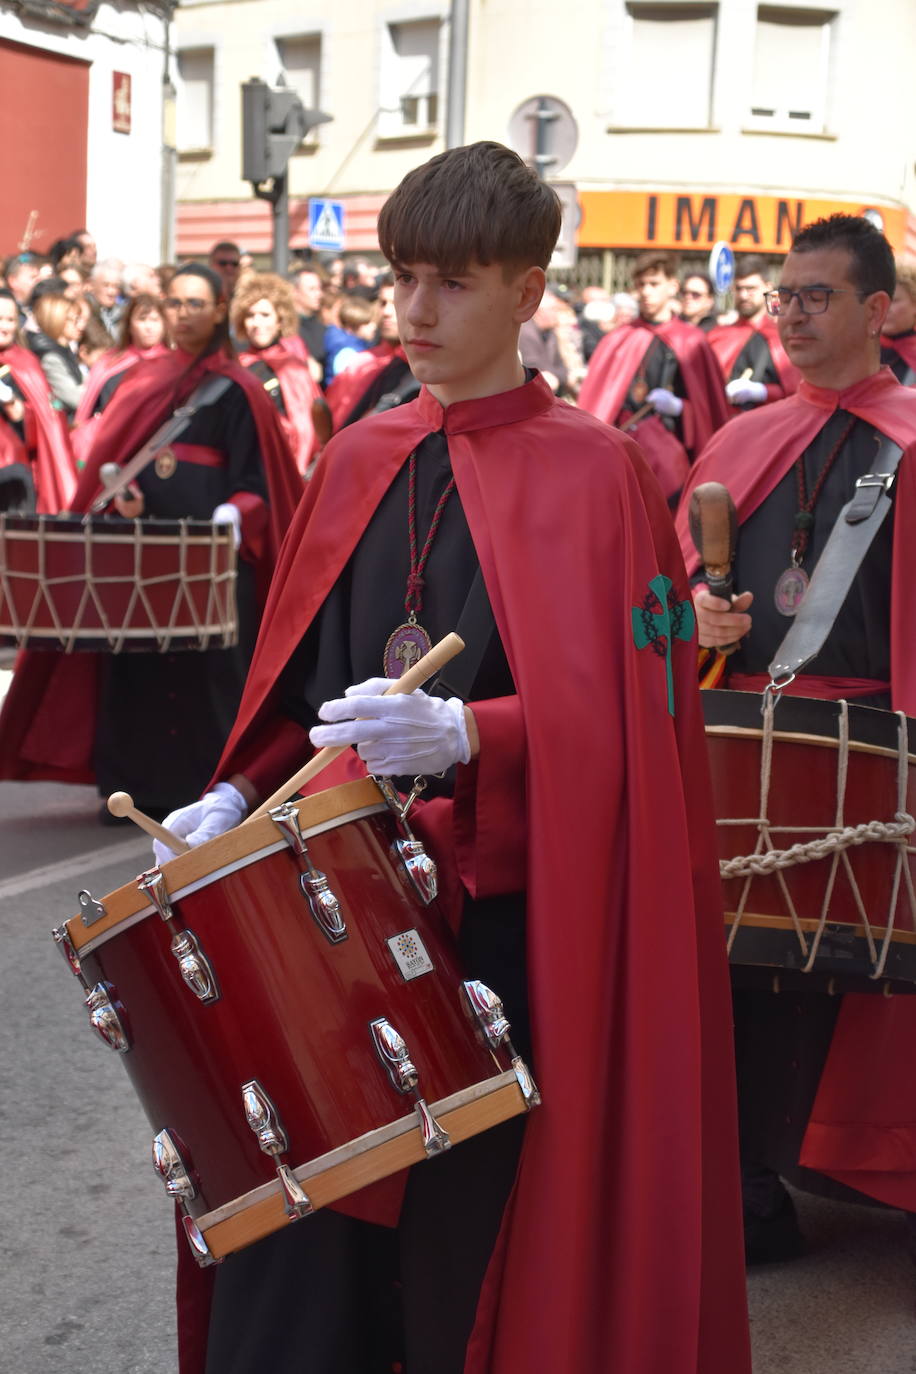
[(571, 830)]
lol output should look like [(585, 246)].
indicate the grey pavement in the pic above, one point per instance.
[(88, 1249)]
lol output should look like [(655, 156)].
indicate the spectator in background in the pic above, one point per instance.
[(164, 274), (308, 283), (698, 301), (87, 248), (94, 341), (74, 281), (226, 260), (754, 364), (104, 293), (898, 337), (54, 344), (379, 379), (143, 335), (21, 278), (139, 279), (263, 318), (353, 335), (65, 253), (539, 346)]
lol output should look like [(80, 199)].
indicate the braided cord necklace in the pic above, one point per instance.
[(792, 584), (409, 641)]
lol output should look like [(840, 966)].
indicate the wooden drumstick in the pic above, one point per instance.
[(425, 668), (713, 524), (122, 804)]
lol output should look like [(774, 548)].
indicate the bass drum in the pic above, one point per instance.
[(290, 1009)]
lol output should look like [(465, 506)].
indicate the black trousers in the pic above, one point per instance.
[(331, 1295)]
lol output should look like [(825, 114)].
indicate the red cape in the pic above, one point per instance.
[(47, 723), (111, 364), (46, 441), (727, 341), (298, 389), (617, 357), (905, 345), (622, 1251), (347, 387), (862, 1129)]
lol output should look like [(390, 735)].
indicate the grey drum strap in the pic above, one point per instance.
[(850, 539)]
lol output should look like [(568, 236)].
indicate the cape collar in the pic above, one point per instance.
[(874, 387), (521, 403)]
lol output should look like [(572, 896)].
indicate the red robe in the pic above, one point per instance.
[(905, 345), (862, 1129), (621, 1251), (618, 356), (46, 444), (298, 389), (47, 722), (347, 387), (111, 364), (727, 341)]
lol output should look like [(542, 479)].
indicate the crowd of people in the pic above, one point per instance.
[(446, 418)]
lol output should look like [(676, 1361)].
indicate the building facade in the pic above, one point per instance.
[(680, 123), (81, 107)]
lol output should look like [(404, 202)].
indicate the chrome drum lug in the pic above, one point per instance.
[(264, 1119), (61, 937), (526, 1083), (195, 967), (323, 904), (419, 867), (391, 1048), (105, 1017), (173, 1168), (488, 1011)]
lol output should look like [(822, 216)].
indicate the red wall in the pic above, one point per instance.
[(44, 115)]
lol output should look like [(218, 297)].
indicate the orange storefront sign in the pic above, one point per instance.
[(761, 224)]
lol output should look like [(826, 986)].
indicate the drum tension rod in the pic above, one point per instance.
[(391, 1048), (323, 904), (264, 1120)]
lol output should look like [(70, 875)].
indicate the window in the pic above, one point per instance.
[(300, 59), (791, 68), (194, 100), (669, 72), (409, 96)]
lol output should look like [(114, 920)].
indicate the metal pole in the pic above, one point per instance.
[(457, 74), (280, 258), (169, 155)]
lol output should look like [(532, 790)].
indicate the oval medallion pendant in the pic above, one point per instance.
[(405, 646), (791, 587), (166, 463)]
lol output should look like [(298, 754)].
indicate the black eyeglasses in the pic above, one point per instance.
[(227, 262), (812, 300)]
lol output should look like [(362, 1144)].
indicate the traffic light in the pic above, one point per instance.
[(274, 123)]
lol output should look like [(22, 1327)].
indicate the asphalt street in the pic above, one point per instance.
[(88, 1245)]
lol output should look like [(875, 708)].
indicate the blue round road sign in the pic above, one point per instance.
[(722, 266)]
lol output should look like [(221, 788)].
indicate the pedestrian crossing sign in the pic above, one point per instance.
[(326, 224)]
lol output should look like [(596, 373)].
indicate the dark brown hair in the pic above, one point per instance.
[(139, 305), (872, 266), (656, 260), (480, 203)]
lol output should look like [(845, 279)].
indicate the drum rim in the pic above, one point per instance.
[(239, 848), (816, 717)]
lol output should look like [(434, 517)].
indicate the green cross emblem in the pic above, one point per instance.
[(660, 619)]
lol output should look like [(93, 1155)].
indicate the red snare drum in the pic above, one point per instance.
[(292, 1015), (116, 585), (831, 795)]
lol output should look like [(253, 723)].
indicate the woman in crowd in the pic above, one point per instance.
[(264, 322), (142, 335), (36, 466), (59, 328)]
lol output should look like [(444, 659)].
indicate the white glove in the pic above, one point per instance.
[(228, 514), (742, 393), (7, 394), (665, 402), (215, 813), (405, 734)]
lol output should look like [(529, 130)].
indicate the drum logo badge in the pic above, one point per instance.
[(659, 620), (410, 954), (166, 463)]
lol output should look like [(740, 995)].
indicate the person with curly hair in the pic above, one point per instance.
[(265, 326)]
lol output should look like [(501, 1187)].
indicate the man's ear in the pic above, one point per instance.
[(876, 307), (531, 286)]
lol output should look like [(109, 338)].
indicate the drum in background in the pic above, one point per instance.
[(292, 1015), (814, 803), (116, 586)]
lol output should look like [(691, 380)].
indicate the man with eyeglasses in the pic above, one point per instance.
[(754, 363), (226, 259), (791, 467), (657, 378), (698, 302)]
